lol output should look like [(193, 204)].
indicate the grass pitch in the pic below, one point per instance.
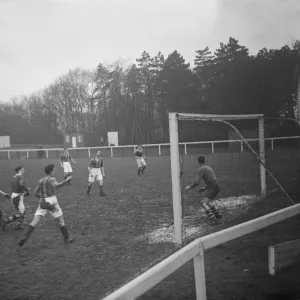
[(115, 233)]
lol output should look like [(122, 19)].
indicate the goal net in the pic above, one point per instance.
[(235, 147)]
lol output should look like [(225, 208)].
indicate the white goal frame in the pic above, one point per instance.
[(175, 164)]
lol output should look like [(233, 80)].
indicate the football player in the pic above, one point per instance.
[(65, 160), (140, 160), (19, 190), (7, 197), (96, 173), (46, 192), (210, 192)]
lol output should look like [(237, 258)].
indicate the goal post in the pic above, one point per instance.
[(175, 176), (174, 118)]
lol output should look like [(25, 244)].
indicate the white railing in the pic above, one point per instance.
[(112, 150), (195, 251)]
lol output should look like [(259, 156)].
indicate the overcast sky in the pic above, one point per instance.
[(42, 39)]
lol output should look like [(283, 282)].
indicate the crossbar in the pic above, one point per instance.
[(156, 274), (186, 116)]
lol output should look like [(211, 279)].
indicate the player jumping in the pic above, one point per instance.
[(96, 173), (46, 192), (140, 160), (65, 160), (211, 190), (19, 190)]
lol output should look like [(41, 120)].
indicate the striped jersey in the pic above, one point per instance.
[(46, 187), (18, 184), (139, 153), (96, 163), (65, 158)]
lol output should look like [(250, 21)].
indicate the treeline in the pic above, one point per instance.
[(135, 101)]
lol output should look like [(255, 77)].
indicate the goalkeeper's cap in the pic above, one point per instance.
[(18, 169), (201, 159)]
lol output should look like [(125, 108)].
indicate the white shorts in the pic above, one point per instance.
[(55, 214), (141, 162), (21, 206), (95, 175), (67, 167)]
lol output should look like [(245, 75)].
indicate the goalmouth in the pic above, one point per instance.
[(174, 118)]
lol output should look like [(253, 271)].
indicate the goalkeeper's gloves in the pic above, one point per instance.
[(203, 189), (188, 188)]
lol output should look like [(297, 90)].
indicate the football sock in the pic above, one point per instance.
[(214, 210), (88, 189), (26, 236), (64, 232), (102, 193), (210, 214)]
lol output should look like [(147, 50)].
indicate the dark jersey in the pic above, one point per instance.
[(207, 174), (65, 158), (96, 163), (18, 184), (46, 187), (139, 153)]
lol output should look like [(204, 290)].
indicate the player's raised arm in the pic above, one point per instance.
[(4, 194), (72, 160), (58, 185)]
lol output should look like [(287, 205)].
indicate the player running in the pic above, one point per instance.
[(211, 190), (19, 190), (65, 160), (46, 192), (96, 173), (7, 197), (140, 160)]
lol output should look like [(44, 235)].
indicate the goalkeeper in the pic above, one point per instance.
[(46, 192), (210, 192), (19, 190)]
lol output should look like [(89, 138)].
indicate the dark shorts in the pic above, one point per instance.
[(212, 191), (16, 202)]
